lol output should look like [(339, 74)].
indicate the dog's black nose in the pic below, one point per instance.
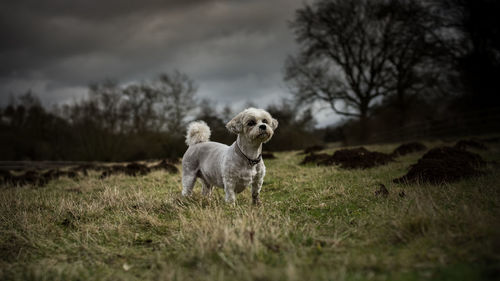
[(262, 127)]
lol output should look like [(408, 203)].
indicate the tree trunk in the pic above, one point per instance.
[(401, 108), (363, 120)]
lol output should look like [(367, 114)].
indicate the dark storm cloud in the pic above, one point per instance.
[(233, 49), (39, 34)]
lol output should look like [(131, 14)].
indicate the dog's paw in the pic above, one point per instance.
[(256, 201)]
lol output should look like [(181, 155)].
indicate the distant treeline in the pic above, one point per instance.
[(126, 123), (148, 121)]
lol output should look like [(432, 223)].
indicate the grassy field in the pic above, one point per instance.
[(315, 223)]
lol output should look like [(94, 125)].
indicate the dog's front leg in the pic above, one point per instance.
[(229, 187), (257, 182)]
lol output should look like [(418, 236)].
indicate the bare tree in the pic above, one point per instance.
[(108, 98), (177, 93), (140, 106), (354, 52), (415, 65)]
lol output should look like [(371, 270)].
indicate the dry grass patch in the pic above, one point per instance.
[(315, 223)]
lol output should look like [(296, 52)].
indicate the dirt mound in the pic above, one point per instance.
[(84, 168), (360, 158), (29, 177), (34, 177), (408, 148), (315, 158), (55, 174), (132, 169), (135, 169), (165, 165), (464, 144), (382, 191), (356, 158), (443, 164), (42, 178), (312, 149)]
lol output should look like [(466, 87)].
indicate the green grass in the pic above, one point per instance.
[(315, 223)]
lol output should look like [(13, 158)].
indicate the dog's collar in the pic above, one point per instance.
[(251, 162)]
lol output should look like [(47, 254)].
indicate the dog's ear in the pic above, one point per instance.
[(274, 123), (235, 126)]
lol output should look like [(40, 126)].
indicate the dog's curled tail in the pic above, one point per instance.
[(198, 131)]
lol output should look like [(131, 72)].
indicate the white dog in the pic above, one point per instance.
[(231, 167)]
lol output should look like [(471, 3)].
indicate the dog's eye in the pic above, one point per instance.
[(264, 121), (251, 123)]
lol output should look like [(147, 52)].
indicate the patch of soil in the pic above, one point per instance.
[(29, 177), (132, 169), (315, 158), (106, 173), (464, 144), (165, 165), (356, 158), (136, 169), (84, 168), (382, 191), (442, 165), (40, 179), (34, 177), (55, 174), (69, 174), (51, 174), (312, 149), (360, 158), (268, 155), (408, 148)]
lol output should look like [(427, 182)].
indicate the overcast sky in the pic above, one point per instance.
[(234, 50)]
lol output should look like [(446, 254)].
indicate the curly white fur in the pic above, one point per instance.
[(197, 132), (230, 167)]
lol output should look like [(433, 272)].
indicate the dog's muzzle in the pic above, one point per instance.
[(263, 135)]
